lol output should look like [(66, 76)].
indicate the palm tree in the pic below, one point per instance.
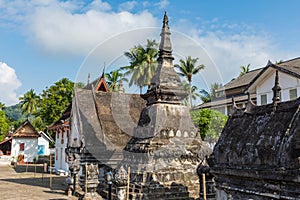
[(187, 68), (142, 64), (194, 94), (244, 69), (29, 102), (114, 79), (209, 96)]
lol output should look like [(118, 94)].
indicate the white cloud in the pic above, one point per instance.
[(74, 27), (162, 4), (71, 27), (9, 83), (227, 46), (127, 6), (100, 6), (65, 32)]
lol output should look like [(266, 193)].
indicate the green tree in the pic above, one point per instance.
[(29, 102), (80, 85), (143, 64), (113, 79), (55, 100), (14, 113), (4, 125), (16, 123), (206, 96), (244, 69), (38, 124), (209, 122), (2, 106), (187, 68)]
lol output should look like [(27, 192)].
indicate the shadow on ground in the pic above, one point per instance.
[(57, 182), (30, 168)]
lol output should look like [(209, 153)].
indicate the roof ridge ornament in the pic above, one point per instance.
[(276, 91), (89, 79), (250, 104), (269, 63), (234, 106), (103, 72)]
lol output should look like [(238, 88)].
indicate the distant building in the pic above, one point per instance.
[(258, 83), (43, 143), (289, 78), (61, 130), (235, 88), (26, 143)]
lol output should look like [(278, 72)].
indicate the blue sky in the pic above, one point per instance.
[(43, 41)]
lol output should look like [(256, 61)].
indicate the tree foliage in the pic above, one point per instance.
[(80, 85), (113, 79), (55, 99), (187, 68), (244, 69), (38, 124), (2, 106), (209, 96), (194, 94), (29, 102), (142, 64), (209, 122), (14, 112), (4, 125)]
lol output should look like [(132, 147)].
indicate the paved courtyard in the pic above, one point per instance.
[(19, 184)]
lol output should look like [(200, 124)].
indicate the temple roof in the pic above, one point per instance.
[(261, 139), (99, 84), (105, 121), (62, 120)]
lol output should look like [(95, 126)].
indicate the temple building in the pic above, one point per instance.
[(166, 147), (149, 138), (61, 129), (258, 83), (258, 153)]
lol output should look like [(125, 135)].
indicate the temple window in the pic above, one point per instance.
[(293, 94), (263, 99)]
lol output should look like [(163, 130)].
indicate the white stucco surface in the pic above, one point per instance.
[(286, 82), (30, 148)]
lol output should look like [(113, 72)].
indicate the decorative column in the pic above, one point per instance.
[(120, 182), (89, 177), (74, 167)]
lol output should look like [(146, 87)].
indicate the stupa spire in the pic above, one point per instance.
[(165, 47), (165, 86)]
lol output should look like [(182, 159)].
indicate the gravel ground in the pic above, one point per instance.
[(16, 183)]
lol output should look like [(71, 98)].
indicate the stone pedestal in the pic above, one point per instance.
[(120, 182), (74, 167), (88, 179)]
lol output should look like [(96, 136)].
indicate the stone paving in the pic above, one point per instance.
[(16, 183)]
